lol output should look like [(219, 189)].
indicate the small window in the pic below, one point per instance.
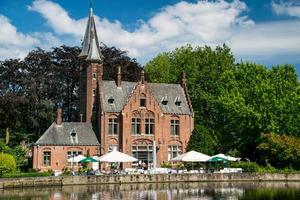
[(73, 136), (164, 100), (94, 92), (174, 127), (113, 126), (94, 76), (47, 158), (174, 151), (177, 101), (142, 102), (110, 100)]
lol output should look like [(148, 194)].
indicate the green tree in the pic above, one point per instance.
[(202, 140), (204, 66), (253, 100), (31, 89), (7, 163), (279, 150), (20, 154), (233, 102)]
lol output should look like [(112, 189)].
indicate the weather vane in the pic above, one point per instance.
[(91, 3)]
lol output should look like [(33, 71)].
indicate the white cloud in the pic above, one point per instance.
[(14, 44), (58, 18), (267, 39), (198, 23), (288, 8)]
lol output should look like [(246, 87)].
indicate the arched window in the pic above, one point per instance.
[(149, 124), (136, 124), (113, 125)]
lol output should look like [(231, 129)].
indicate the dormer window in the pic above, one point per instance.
[(177, 101), (164, 100), (110, 100), (73, 136)]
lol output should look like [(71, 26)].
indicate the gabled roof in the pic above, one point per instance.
[(171, 92), (118, 94), (90, 44), (159, 90), (61, 135)]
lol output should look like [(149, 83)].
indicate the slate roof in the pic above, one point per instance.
[(119, 94), (90, 44), (171, 92), (56, 135)]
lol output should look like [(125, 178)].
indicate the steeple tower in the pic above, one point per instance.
[(90, 45), (91, 72)]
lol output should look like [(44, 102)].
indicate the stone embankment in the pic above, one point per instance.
[(156, 178)]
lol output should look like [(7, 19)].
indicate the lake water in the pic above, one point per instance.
[(162, 191)]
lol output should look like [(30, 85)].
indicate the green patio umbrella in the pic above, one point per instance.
[(88, 159), (217, 159)]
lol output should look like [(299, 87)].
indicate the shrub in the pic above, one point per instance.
[(280, 151), (166, 165), (28, 174), (246, 166), (7, 163), (179, 166), (66, 171)]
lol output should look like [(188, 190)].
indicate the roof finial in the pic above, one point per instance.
[(142, 76), (91, 3)]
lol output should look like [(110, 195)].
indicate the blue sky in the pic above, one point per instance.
[(263, 31)]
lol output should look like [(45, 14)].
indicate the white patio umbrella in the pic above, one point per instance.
[(116, 156), (191, 156), (76, 158)]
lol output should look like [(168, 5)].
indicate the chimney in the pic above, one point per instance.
[(59, 117), (143, 76), (183, 79), (119, 77)]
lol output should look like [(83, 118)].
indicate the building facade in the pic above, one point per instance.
[(137, 118), (132, 116), (62, 141)]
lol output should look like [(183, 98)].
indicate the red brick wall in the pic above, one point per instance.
[(87, 85), (162, 131), (58, 156)]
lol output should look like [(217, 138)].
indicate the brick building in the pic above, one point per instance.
[(130, 116), (61, 141)]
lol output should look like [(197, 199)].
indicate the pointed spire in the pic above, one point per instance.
[(90, 44), (91, 3)]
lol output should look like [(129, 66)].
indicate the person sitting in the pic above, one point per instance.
[(144, 166)]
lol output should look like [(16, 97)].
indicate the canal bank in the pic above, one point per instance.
[(155, 178)]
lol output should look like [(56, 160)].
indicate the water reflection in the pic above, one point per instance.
[(161, 191)]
